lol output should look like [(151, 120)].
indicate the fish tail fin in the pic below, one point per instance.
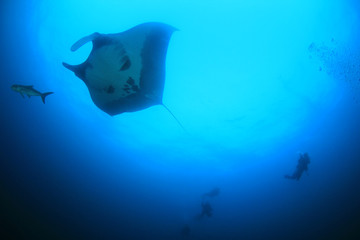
[(43, 95)]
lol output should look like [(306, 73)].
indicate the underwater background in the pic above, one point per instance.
[(253, 82)]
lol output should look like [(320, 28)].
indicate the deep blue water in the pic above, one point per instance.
[(254, 83)]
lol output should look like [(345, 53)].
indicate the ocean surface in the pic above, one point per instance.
[(254, 83)]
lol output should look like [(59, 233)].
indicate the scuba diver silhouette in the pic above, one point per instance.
[(302, 166), (206, 210)]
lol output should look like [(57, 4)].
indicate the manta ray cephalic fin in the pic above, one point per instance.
[(83, 41)]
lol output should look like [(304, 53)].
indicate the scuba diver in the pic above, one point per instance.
[(205, 204), (302, 166), (206, 210)]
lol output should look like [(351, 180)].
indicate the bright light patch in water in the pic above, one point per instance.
[(243, 81)]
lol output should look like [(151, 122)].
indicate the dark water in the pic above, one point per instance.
[(253, 82)]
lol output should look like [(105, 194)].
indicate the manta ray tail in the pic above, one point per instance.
[(177, 120), (43, 95)]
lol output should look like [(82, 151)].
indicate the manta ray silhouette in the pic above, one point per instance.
[(125, 72)]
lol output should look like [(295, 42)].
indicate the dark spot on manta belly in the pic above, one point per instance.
[(130, 81), (126, 63), (110, 89), (126, 88), (131, 85)]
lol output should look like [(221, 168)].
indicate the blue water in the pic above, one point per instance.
[(254, 82)]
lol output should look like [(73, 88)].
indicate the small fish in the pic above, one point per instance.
[(29, 91)]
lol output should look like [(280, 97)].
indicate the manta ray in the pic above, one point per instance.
[(125, 72)]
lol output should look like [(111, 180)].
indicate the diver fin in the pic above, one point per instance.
[(43, 95), (83, 41)]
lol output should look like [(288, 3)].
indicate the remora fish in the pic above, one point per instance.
[(29, 91)]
